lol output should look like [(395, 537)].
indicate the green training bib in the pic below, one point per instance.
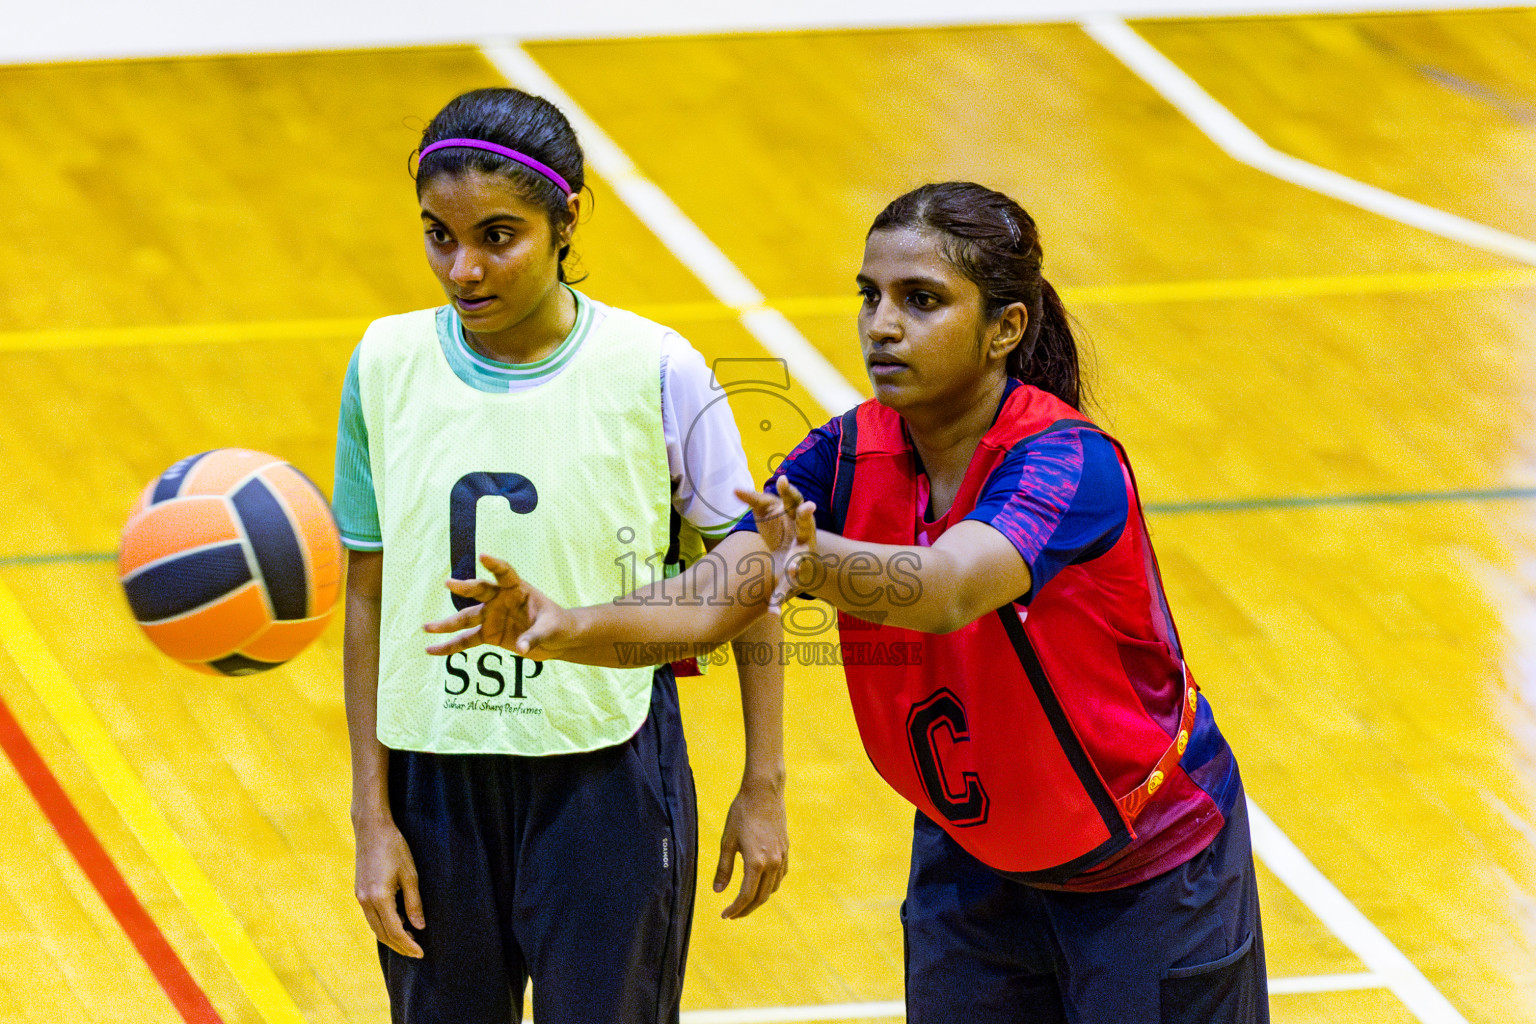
[(568, 481)]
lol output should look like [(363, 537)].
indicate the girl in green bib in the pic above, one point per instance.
[(519, 819)]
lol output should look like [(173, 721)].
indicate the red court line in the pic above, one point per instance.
[(178, 984)]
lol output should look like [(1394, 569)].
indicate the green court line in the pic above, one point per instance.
[(1157, 508), (1174, 508), (64, 557)]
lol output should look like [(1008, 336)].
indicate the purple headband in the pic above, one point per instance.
[(510, 154)]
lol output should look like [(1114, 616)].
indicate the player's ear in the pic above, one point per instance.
[(572, 215), (1006, 331)]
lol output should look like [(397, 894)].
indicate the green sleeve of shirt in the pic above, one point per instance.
[(353, 501)]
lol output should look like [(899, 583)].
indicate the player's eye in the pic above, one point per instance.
[(869, 295), (498, 236), (438, 235), (923, 300)]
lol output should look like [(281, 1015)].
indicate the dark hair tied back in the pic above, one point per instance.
[(994, 242), (517, 120)]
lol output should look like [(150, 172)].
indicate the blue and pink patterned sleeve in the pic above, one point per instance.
[(811, 467), (1060, 498)]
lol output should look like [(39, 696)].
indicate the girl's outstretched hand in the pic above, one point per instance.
[(507, 609), (787, 525)]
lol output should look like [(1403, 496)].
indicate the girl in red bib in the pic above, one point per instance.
[(1081, 848)]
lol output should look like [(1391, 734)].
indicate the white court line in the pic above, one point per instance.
[(787, 1014), (1242, 144), (895, 1008), (1353, 928), (1515, 821), (1388, 967), (682, 236), (1314, 983)]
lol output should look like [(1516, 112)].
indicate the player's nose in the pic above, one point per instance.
[(882, 324), (467, 268)]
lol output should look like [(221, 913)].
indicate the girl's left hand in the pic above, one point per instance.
[(507, 608), (755, 827), (787, 524)]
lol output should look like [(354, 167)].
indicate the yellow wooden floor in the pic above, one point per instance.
[(1372, 660)]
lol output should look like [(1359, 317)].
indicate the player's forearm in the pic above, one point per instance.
[(618, 649), (915, 588), (360, 683), (709, 603), (694, 627), (762, 703)]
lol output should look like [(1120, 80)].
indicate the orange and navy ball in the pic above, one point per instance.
[(231, 562)]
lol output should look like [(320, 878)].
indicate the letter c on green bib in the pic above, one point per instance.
[(519, 493)]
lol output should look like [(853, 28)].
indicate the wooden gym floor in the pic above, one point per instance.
[(1331, 414)]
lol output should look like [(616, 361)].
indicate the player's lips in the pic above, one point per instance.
[(472, 305), (885, 366)]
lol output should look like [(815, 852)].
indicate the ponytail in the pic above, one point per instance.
[(1047, 357)]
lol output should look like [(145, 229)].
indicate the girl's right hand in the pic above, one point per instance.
[(384, 867), (508, 608), (787, 525)]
